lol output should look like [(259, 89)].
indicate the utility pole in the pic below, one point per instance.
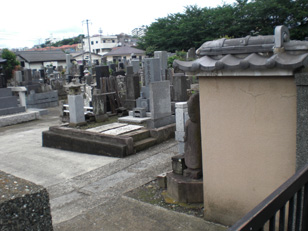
[(90, 69)]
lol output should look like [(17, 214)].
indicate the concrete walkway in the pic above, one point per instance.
[(86, 191)]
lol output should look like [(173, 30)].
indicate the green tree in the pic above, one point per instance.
[(195, 25), (11, 62)]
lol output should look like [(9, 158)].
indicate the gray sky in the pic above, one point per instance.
[(27, 23)]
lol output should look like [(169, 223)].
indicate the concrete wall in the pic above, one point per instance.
[(248, 141)]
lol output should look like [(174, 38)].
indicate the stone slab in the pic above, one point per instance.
[(106, 127), (122, 130), (11, 110), (23, 205), (131, 119), (18, 118)]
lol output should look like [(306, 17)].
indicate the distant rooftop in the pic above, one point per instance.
[(126, 50), (39, 56)]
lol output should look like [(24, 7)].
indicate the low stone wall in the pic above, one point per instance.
[(43, 100), (23, 205), (77, 140)]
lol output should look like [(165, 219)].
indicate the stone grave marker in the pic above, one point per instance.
[(136, 65), (180, 86), (160, 105), (163, 58), (101, 71)]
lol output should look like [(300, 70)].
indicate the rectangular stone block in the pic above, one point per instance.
[(143, 103), (139, 112), (152, 71), (160, 102), (178, 164), (76, 109)]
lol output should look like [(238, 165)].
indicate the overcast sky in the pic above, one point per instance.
[(27, 23)]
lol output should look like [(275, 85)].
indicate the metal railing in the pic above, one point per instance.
[(285, 209)]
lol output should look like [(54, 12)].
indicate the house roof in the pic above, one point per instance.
[(84, 53), (42, 56), (126, 50), (255, 53)]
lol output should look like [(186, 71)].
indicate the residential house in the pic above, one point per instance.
[(40, 59), (100, 44), (85, 56), (124, 53)]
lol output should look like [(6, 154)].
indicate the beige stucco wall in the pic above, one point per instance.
[(248, 141)]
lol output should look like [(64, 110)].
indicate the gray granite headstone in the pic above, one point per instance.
[(180, 87), (160, 102), (18, 77), (160, 105), (163, 57), (76, 109), (136, 65), (129, 70), (28, 76), (151, 70)]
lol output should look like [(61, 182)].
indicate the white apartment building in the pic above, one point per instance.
[(139, 32), (101, 44)]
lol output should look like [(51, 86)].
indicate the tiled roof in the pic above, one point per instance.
[(126, 50), (42, 56), (255, 53)]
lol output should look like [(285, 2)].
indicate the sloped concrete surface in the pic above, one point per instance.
[(86, 191)]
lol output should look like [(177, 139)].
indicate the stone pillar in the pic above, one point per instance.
[(301, 81), (181, 116), (76, 107)]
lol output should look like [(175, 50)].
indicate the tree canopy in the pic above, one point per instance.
[(196, 25), (68, 41), (11, 62)]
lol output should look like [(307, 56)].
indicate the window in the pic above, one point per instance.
[(104, 41), (92, 42), (22, 63), (97, 51), (96, 42), (113, 41)]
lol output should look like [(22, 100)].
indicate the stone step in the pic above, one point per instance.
[(144, 144), (11, 110), (139, 134), (5, 92), (8, 101)]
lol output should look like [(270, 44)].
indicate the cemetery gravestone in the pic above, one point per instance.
[(163, 57)]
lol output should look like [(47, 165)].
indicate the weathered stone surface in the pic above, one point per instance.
[(193, 153), (87, 142), (301, 81), (178, 164), (23, 205), (184, 189)]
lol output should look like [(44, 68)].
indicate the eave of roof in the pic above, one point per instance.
[(249, 53)]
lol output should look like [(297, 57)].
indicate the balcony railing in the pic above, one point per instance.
[(285, 209)]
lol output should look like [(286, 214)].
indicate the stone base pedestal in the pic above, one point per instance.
[(178, 164), (157, 123), (184, 189)]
